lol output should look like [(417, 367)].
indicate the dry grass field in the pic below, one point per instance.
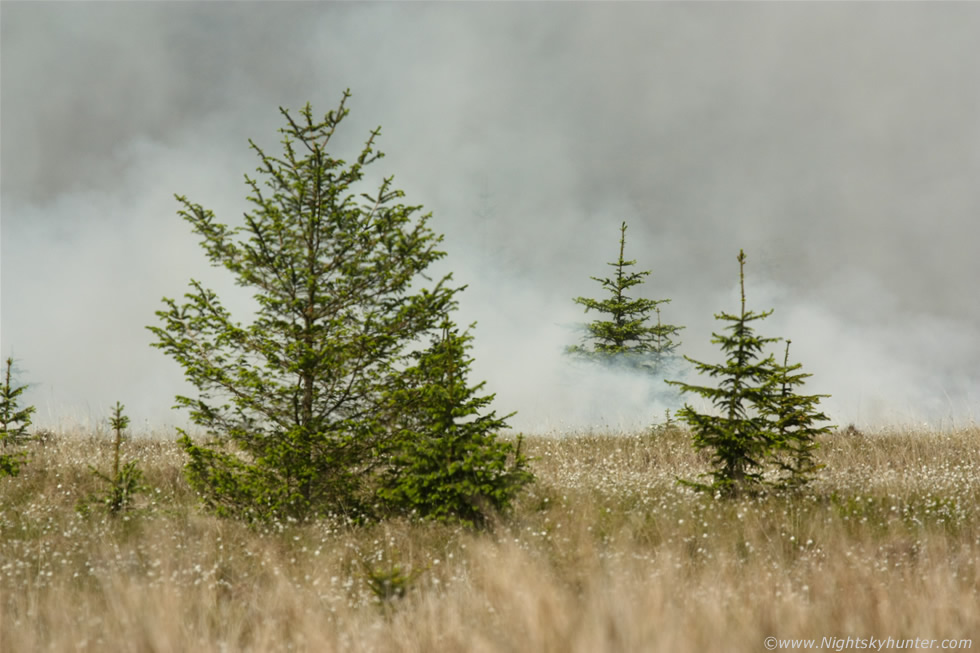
[(605, 552)]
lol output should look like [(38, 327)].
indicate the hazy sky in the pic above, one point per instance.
[(837, 143)]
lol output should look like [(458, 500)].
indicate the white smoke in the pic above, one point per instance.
[(836, 144)]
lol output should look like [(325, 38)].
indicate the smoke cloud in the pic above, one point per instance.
[(838, 144)]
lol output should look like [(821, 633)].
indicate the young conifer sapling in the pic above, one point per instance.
[(737, 434), (450, 464), (794, 423), (14, 422), (624, 334), (126, 481)]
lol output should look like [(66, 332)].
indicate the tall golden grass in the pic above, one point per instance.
[(605, 552)]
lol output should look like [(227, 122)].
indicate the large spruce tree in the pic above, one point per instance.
[(294, 403), (626, 334)]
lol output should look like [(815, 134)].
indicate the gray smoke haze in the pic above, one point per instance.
[(838, 144)]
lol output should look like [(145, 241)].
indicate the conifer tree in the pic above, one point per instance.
[(739, 437), (14, 423), (126, 480), (450, 466), (762, 423), (794, 420), (626, 335), (294, 402)]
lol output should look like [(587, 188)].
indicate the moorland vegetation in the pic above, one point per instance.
[(604, 552), (347, 487)]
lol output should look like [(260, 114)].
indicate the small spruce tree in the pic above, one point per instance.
[(739, 438), (794, 421), (14, 423), (449, 465), (626, 336), (125, 482)]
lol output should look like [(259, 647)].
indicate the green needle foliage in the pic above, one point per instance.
[(794, 420), (389, 582), (14, 423), (740, 437), (294, 403), (125, 482), (450, 466), (626, 336)]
